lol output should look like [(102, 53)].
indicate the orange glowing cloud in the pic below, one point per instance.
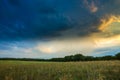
[(109, 35), (106, 23)]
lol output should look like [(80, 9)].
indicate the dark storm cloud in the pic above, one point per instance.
[(37, 19), (30, 19), (109, 7)]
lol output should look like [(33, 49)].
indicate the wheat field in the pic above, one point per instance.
[(31, 70)]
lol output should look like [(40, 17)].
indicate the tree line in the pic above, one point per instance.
[(80, 57), (76, 57)]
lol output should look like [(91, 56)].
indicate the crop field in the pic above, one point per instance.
[(31, 70)]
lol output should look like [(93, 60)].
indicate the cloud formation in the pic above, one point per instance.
[(91, 6), (59, 26), (107, 22), (36, 19)]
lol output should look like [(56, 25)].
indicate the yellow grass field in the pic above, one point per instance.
[(30, 70)]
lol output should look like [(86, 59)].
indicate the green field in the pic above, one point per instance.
[(95, 70)]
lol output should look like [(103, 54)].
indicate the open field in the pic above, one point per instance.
[(95, 70)]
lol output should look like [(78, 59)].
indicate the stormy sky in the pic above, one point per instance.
[(56, 28)]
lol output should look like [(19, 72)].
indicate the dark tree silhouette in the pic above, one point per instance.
[(69, 58), (78, 57), (109, 57), (117, 56)]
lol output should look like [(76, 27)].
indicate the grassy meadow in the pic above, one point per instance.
[(31, 70)]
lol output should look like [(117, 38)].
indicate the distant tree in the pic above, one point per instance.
[(68, 58), (57, 59), (78, 57), (117, 56), (109, 57), (89, 58)]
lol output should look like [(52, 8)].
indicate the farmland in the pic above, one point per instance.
[(32, 70)]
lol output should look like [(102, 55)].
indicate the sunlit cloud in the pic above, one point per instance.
[(66, 46), (106, 22), (107, 42)]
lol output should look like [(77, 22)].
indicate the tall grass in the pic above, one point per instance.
[(95, 70)]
